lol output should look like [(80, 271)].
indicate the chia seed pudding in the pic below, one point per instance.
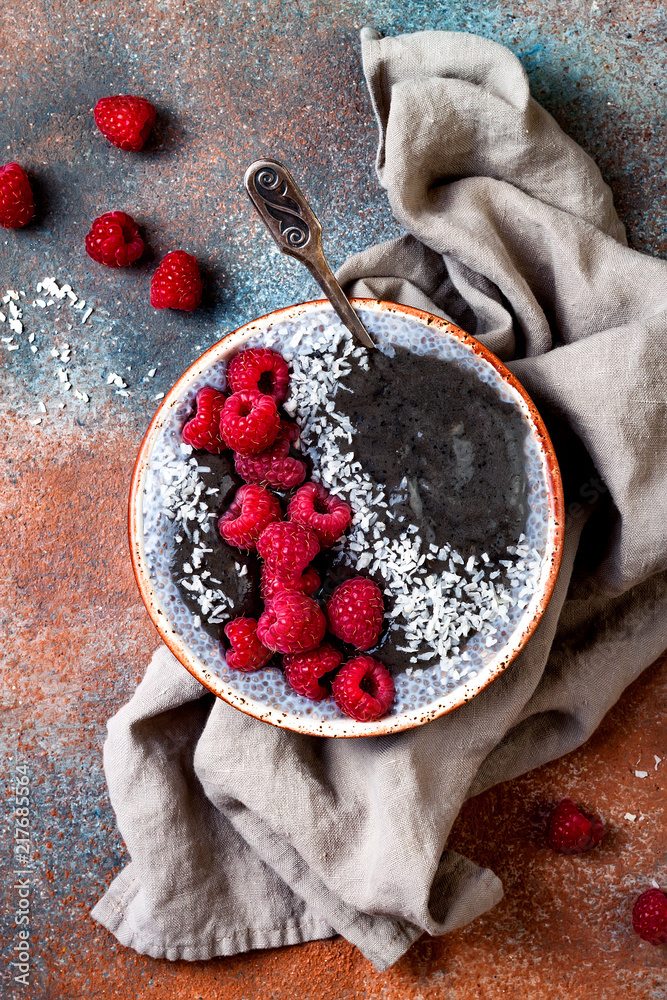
[(442, 471)]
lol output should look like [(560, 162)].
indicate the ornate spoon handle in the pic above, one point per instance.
[(297, 231)]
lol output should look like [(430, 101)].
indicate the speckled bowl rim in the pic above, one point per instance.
[(277, 717)]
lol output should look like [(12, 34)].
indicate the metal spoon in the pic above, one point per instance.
[(297, 231)]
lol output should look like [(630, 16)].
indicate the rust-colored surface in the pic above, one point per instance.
[(233, 82)]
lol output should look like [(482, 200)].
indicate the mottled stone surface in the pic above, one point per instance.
[(232, 82)]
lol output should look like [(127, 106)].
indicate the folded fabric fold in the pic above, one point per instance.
[(243, 835)]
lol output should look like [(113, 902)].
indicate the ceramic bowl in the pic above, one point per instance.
[(265, 694)]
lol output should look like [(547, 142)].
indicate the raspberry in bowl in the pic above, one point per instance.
[(414, 516)]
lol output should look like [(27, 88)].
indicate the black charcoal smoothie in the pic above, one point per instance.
[(450, 454), (449, 451)]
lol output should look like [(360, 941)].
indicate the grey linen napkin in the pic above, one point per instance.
[(245, 836)]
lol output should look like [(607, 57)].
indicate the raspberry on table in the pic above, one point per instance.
[(287, 548), (176, 284), (363, 689), (355, 611), (250, 422), (305, 583), (649, 916), (203, 430), (327, 515), (125, 120), (304, 670), (571, 831), (114, 240), (262, 369), (247, 652), (17, 205), (274, 467), (252, 509), (291, 623)]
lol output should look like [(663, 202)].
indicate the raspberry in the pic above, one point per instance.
[(17, 205), (274, 467), (363, 689), (247, 652), (114, 240), (250, 422), (292, 623), (287, 548), (355, 611), (649, 916), (571, 831), (328, 516), (252, 509), (306, 583), (262, 369), (177, 282), (203, 430), (124, 120), (303, 670), (289, 431)]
